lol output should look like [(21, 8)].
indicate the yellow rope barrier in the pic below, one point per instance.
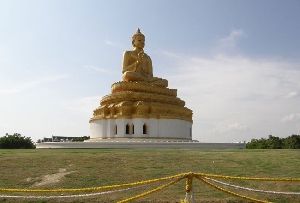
[(189, 183), (150, 191), (94, 188), (230, 192), (247, 178), (180, 176), (189, 188)]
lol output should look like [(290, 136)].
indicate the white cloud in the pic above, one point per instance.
[(111, 43), (100, 70), (291, 117), (171, 54), (83, 105), (229, 43), (232, 38), (32, 84), (224, 128), (236, 97), (292, 94)]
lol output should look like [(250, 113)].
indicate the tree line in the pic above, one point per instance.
[(291, 142), (16, 141)]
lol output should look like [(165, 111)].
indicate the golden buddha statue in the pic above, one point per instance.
[(137, 65)]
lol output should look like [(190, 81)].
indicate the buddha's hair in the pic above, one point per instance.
[(138, 33)]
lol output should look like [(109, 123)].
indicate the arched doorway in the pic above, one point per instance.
[(127, 129), (144, 129)]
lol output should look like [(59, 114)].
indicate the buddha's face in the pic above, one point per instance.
[(139, 42)]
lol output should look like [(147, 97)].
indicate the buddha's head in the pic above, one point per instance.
[(138, 40)]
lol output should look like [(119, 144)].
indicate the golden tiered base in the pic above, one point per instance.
[(141, 100)]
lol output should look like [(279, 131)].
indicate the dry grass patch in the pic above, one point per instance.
[(96, 167)]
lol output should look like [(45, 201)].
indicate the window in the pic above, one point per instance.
[(132, 129), (144, 129), (116, 130), (127, 129)]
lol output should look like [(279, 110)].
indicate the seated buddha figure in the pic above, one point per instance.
[(137, 65)]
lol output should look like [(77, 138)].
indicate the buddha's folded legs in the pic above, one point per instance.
[(133, 76)]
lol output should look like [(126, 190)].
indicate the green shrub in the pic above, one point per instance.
[(16, 141), (291, 142)]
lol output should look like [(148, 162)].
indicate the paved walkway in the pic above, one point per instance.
[(131, 144)]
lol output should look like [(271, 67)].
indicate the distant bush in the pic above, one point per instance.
[(80, 139), (16, 141), (291, 142)]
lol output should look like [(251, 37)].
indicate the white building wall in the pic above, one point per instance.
[(174, 128), (109, 129), (138, 127), (153, 127), (156, 128)]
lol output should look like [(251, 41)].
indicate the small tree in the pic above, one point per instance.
[(292, 142), (274, 142), (16, 141)]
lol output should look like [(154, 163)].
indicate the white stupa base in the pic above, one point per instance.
[(140, 128)]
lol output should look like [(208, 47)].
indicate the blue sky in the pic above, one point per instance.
[(235, 63)]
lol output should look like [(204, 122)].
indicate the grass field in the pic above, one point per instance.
[(77, 168)]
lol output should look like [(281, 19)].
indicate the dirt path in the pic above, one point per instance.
[(52, 178)]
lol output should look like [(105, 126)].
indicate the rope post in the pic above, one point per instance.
[(189, 198)]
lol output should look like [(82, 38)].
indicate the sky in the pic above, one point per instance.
[(235, 63)]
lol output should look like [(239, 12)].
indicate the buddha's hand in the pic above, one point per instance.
[(139, 61), (140, 56)]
